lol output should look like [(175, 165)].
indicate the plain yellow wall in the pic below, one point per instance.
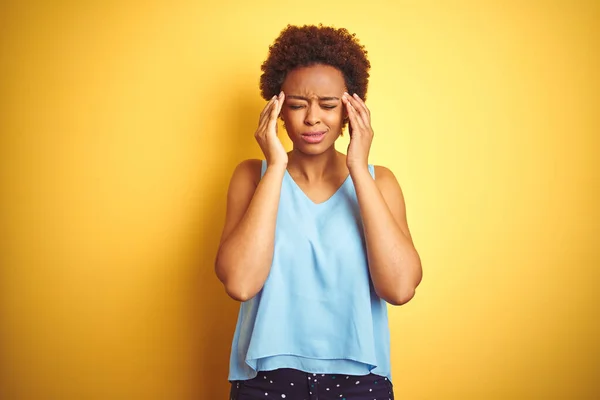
[(121, 123)]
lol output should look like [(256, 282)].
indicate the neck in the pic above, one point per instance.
[(315, 167)]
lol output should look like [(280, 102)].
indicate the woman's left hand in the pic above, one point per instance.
[(361, 133)]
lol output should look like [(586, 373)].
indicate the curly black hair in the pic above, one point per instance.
[(309, 45)]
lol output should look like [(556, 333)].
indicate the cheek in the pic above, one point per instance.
[(335, 117), (290, 120), (289, 116)]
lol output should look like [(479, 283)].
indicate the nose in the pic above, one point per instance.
[(312, 115)]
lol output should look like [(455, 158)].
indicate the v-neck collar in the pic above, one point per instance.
[(334, 194)]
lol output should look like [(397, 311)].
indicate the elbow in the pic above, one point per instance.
[(237, 294), (404, 291), (234, 289), (241, 292), (238, 285), (400, 297)]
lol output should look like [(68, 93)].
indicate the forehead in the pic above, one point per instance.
[(315, 79)]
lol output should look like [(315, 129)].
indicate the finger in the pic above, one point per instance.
[(355, 120), (362, 104), (361, 109), (276, 101), (352, 111), (281, 100), (360, 120), (277, 106), (262, 128), (272, 123), (265, 114), (266, 106), (265, 110)]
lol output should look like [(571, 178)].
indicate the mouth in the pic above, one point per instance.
[(313, 137)]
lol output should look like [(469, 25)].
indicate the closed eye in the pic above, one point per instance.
[(300, 106)]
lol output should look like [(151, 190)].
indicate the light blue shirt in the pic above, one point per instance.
[(317, 311)]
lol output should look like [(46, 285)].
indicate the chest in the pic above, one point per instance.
[(319, 242)]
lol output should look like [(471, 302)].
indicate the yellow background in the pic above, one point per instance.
[(121, 123)]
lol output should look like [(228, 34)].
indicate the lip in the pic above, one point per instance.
[(313, 137)]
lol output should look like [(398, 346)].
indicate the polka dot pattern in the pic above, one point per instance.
[(290, 384)]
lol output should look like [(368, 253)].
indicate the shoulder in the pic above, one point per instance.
[(384, 176), (248, 171), (387, 183)]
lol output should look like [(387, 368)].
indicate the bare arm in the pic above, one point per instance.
[(246, 250), (394, 263)]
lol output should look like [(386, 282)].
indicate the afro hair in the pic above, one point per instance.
[(309, 45)]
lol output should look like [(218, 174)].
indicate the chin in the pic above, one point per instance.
[(299, 145), (313, 150)]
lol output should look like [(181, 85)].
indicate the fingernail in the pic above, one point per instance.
[(355, 95)]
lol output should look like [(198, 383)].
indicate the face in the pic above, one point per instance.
[(313, 111)]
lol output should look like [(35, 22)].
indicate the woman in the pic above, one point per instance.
[(315, 242)]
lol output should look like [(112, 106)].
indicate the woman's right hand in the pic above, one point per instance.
[(266, 133)]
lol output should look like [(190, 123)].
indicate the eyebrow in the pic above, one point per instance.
[(326, 98)]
